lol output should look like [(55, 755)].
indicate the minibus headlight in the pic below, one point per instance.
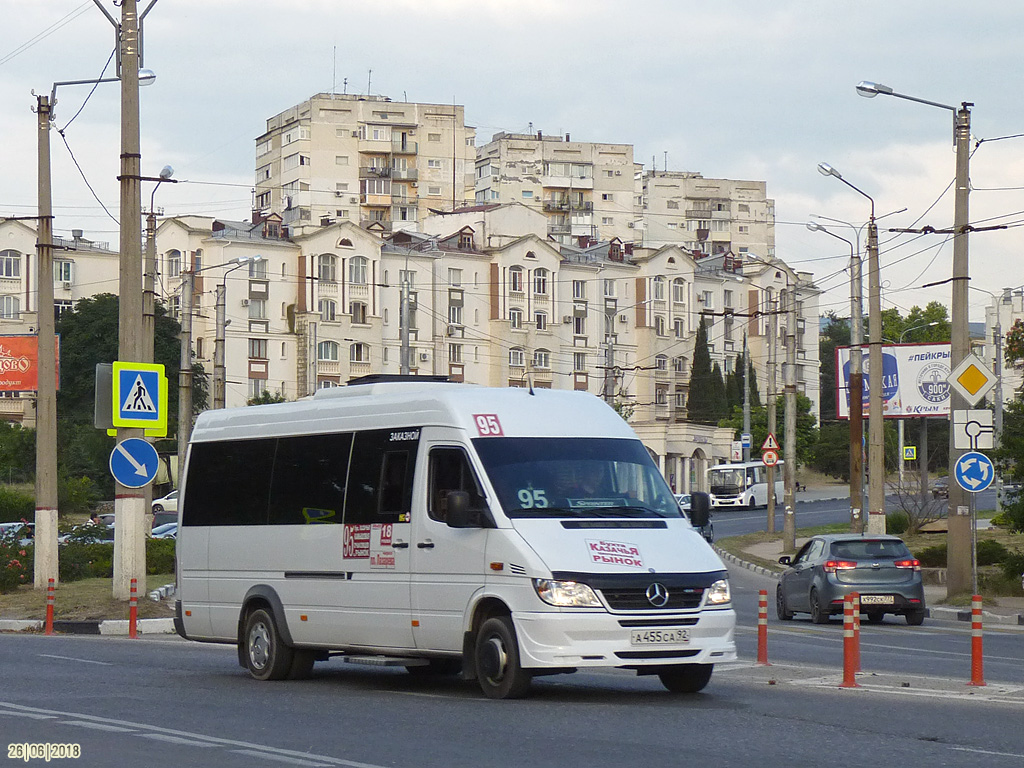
[(718, 593), (566, 594)]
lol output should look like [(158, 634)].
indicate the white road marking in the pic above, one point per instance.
[(987, 752), (175, 740), (111, 724), (29, 715), (279, 758), (72, 658)]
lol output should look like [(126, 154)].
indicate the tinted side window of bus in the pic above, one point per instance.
[(450, 471), (309, 479), (229, 483), (380, 477)]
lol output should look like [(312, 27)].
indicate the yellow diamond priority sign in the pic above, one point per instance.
[(972, 379)]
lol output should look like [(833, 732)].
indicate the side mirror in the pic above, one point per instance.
[(700, 509), (785, 560), (459, 514)]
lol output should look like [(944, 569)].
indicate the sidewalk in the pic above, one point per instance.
[(1010, 610)]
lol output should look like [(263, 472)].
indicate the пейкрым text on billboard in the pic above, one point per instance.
[(913, 380)]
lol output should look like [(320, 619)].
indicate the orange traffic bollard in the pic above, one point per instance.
[(133, 612), (849, 646), (49, 606), (856, 630), (762, 627), (977, 660)]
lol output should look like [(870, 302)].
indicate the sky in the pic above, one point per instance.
[(737, 89)]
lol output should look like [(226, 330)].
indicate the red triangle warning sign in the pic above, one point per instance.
[(770, 444)]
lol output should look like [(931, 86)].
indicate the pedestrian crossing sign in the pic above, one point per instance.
[(140, 397)]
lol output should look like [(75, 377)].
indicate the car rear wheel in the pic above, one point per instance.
[(686, 678), (266, 655), (497, 660), (819, 612), (875, 617), (781, 609), (916, 618), (158, 508)]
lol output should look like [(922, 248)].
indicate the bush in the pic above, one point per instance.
[(933, 557), (16, 505), (85, 561), (76, 495), (1013, 565), (160, 555), (15, 563), (897, 522), (1000, 520), (991, 552)]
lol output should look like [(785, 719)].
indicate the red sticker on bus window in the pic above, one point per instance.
[(487, 425)]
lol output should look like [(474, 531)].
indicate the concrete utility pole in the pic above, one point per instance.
[(185, 367), (129, 503), (746, 395), (876, 423), (773, 356), (219, 371), (789, 467), (959, 539), (609, 351), (997, 395), (406, 352), (45, 558), (856, 393)]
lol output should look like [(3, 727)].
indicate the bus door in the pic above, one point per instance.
[(448, 564)]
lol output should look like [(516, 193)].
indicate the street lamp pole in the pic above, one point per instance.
[(959, 541), (219, 369), (876, 434), (856, 396)]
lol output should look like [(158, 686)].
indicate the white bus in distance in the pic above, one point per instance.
[(743, 484), (501, 533)]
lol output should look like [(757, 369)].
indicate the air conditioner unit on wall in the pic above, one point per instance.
[(623, 318), (567, 319), (424, 357), (245, 302)]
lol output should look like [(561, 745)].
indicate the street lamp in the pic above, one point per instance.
[(876, 434), (924, 472), (219, 372), (959, 537), (856, 397)]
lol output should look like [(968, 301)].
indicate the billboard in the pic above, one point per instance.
[(913, 380), (19, 363)]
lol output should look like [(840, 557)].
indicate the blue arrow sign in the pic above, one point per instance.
[(974, 472), (134, 462)]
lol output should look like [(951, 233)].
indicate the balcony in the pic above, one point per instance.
[(374, 172), (405, 174), (375, 146), (568, 182), (559, 229), (404, 147), (556, 205), (379, 200)]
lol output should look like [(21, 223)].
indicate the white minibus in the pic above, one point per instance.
[(743, 484), (446, 528)]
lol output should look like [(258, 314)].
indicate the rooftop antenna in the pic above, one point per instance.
[(334, 72), (369, 74), (666, 161), (344, 85)]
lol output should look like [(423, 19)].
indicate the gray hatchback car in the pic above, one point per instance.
[(827, 568)]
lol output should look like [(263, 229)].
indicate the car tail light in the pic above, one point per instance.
[(914, 565), (831, 566)]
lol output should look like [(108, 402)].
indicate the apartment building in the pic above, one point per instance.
[(81, 268), (364, 159), (584, 189), (1005, 309), (708, 216)]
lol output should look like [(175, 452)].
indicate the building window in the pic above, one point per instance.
[(257, 387), (679, 364), (672, 205), (679, 327), (679, 291), (515, 319), (434, 164), (466, 240), (327, 268), (579, 361), (659, 288), (341, 160), (607, 220), (455, 314), (10, 264), (173, 263), (258, 269), (609, 287), (62, 271), (579, 289), (607, 197), (433, 191), (358, 311), (454, 277), (516, 357), (328, 310), (454, 353), (10, 307), (661, 363), (527, 194), (60, 306), (541, 318), (541, 359), (579, 326), (727, 298), (258, 349), (357, 267), (660, 396), (540, 281), (515, 278), (707, 299), (433, 137), (659, 325), (327, 351), (359, 353), (680, 399), (257, 309)]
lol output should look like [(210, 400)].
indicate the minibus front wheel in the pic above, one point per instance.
[(497, 660), (266, 655)]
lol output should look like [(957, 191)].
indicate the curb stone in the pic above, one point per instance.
[(105, 627), (948, 613)]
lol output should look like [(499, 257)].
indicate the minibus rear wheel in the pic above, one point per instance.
[(497, 660), (266, 655)]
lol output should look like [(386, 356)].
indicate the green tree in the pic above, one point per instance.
[(17, 453), (806, 426), (755, 393), (720, 408), (734, 383), (916, 327), (701, 405), (836, 333), (1010, 458), (1013, 346), (266, 397)]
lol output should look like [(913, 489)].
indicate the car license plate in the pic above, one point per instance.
[(876, 599), (658, 636)]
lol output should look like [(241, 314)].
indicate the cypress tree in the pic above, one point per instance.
[(701, 408), (721, 408)]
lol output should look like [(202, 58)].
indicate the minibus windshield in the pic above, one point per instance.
[(575, 477)]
